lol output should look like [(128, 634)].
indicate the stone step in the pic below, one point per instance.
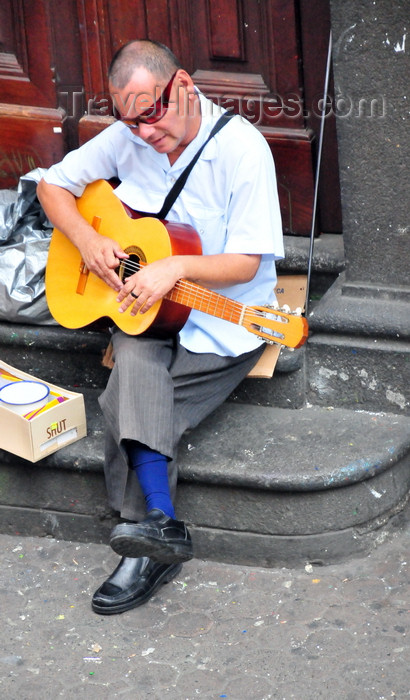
[(359, 348), (352, 371), (260, 486), (72, 359), (68, 358), (359, 372)]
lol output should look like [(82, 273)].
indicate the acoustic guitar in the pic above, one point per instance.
[(76, 297)]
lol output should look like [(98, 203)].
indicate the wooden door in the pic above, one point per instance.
[(252, 55), (33, 125)]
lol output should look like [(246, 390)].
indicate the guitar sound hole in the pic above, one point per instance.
[(132, 264), (128, 267)]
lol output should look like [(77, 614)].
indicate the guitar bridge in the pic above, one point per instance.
[(84, 271), (83, 277)]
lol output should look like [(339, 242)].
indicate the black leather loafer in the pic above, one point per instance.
[(132, 583), (159, 537)]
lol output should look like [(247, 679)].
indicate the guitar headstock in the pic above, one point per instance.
[(276, 325)]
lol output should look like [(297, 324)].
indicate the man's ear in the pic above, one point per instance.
[(185, 81)]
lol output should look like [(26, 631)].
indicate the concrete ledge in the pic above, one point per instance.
[(53, 523), (372, 374), (72, 358), (229, 508), (365, 311), (309, 449), (256, 447), (294, 514), (248, 549), (258, 486), (69, 358), (326, 548), (328, 254)]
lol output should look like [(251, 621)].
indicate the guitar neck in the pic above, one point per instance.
[(207, 301)]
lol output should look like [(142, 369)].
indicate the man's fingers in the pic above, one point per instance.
[(139, 302), (120, 254), (141, 305), (109, 277)]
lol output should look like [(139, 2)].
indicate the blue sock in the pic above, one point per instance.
[(151, 468)]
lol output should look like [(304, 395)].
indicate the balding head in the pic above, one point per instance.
[(156, 58)]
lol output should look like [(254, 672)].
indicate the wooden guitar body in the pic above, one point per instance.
[(76, 297)]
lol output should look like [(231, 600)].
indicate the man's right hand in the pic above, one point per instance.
[(100, 254)]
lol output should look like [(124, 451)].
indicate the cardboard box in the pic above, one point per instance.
[(47, 432), (290, 290)]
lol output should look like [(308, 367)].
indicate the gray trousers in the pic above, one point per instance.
[(157, 390)]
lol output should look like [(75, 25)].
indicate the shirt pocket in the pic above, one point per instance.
[(210, 224)]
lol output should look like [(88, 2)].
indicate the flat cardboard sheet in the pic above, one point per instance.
[(290, 290)]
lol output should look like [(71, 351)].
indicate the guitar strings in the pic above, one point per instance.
[(231, 310), (241, 311), (200, 293)]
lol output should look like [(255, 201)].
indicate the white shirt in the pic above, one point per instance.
[(230, 198)]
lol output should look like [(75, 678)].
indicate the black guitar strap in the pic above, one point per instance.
[(174, 192)]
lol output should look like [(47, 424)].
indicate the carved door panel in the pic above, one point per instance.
[(33, 128), (249, 60), (28, 123)]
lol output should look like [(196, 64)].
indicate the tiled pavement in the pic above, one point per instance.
[(217, 631)]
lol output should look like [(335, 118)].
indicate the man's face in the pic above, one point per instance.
[(165, 116)]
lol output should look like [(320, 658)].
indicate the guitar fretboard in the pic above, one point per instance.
[(201, 299)]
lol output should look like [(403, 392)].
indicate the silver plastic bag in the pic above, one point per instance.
[(25, 234)]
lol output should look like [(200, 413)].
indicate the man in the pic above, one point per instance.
[(160, 387)]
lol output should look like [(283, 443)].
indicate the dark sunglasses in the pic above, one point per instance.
[(152, 114)]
